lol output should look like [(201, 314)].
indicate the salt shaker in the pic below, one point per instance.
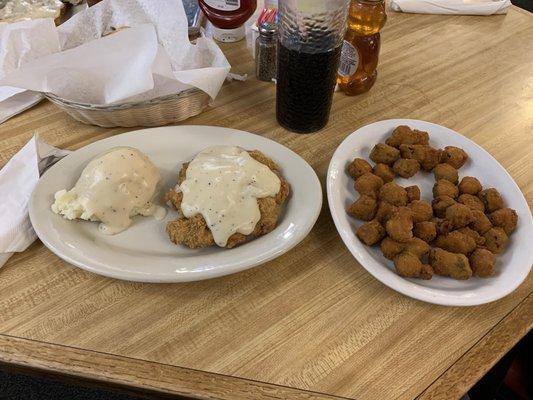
[(266, 49)]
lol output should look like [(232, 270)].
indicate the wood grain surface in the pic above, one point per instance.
[(313, 319)]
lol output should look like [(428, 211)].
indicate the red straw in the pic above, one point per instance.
[(267, 15)]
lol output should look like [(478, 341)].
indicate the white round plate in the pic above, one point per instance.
[(513, 265), (143, 252)]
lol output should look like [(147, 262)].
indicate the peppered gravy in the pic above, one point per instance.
[(223, 184)]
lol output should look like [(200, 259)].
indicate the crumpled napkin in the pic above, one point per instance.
[(124, 50), (462, 7), (17, 181), (20, 43), (18, 103)]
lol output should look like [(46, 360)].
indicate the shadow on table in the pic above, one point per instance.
[(32, 385), (525, 4), (510, 378)]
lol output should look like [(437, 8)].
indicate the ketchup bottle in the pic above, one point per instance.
[(228, 17)]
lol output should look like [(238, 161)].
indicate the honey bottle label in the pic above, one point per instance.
[(349, 60)]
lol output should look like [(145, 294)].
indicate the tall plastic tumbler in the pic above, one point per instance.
[(310, 41)]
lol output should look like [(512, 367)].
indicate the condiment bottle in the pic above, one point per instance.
[(228, 17), (360, 50), (266, 50)]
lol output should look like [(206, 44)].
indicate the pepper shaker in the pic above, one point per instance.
[(266, 52)]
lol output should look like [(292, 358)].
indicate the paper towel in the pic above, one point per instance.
[(149, 56)]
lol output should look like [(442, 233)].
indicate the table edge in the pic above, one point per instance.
[(483, 355), (140, 374), (521, 10), (169, 379)]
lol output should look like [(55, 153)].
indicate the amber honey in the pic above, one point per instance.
[(360, 51)]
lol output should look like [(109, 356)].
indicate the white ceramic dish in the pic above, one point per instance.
[(143, 252), (513, 265)]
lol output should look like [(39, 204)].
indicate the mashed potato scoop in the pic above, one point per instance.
[(114, 187)]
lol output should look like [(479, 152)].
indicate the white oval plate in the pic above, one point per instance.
[(513, 265), (143, 252)]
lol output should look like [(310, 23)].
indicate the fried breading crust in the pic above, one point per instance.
[(194, 233)]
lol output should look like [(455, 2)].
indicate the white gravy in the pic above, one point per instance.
[(112, 188), (223, 184)]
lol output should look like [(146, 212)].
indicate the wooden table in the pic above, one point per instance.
[(313, 323)]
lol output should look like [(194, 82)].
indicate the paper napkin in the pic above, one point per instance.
[(464, 7), (17, 181), (124, 50), (20, 43)]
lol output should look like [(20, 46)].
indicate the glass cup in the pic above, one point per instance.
[(310, 42)]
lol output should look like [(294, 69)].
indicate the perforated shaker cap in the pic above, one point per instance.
[(268, 29)]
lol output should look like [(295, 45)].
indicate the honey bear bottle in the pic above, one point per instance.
[(360, 50)]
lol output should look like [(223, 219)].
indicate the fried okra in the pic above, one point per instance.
[(384, 154), (368, 184), (505, 218), (459, 215), (443, 226), (384, 172), (405, 135), (400, 226), (480, 222), (492, 199), (413, 151), (363, 208), (495, 240), (426, 272), (480, 240), (425, 230), (417, 247), (440, 204), (371, 232), (358, 167), (454, 156), (446, 171), (482, 262), (385, 211), (403, 212), (469, 185), (391, 248), (456, 242), (393, 193), (421, 210), (465, 239), (427, 156), (413, 193), (445, 188), (445, 263), (472, 202), (410, 266), (406, 167)]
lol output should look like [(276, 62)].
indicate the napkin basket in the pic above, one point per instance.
[(155, 112)]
